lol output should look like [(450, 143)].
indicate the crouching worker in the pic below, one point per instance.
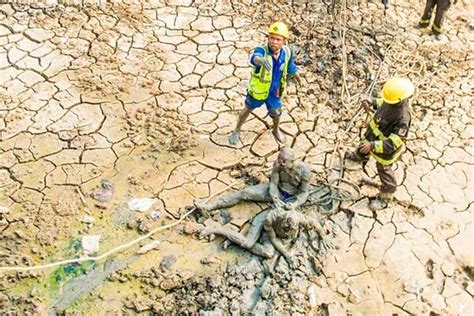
[(385, 136), (288, 187)]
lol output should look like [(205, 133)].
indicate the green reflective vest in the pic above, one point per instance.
[(378, 145), (261, 81)]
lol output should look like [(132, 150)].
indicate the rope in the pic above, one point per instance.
[(334, 193), (114, 250)]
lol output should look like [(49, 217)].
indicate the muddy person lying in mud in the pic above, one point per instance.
[(288, 187), (280, 227)]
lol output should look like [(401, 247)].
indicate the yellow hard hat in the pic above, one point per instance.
[(279, 28), (397, 89)]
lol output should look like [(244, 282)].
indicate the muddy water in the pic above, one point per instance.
[(91, 292)]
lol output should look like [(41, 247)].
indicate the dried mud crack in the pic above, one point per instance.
[(143, 97)]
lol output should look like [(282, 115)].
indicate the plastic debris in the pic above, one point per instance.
[(87, 219), (4, 210), (90, 244), (141, 205), (148, 247), (155, 215)]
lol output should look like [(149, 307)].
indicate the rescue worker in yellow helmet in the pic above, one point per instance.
[(385, 136), (273, 64)]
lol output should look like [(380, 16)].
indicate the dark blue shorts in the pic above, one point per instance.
[(286, 197), (272, 102)]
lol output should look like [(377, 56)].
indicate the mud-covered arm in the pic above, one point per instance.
[(311, 223), (273, 186), (304, 187)]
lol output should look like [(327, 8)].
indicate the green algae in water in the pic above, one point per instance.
[(71, 270)]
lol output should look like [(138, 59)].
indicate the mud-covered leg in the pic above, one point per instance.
[(265, 250), (257, 193), (246, 242)]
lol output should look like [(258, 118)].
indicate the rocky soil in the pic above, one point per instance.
[(145, 95)]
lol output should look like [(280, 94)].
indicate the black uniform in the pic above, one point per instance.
[(441, 7), (386, 133)]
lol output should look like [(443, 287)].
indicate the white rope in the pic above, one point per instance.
[(111, 251)]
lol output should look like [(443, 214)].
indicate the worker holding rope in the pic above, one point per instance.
[(385, 136), (273, 65)]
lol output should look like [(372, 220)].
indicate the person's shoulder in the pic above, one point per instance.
[(304, 168), (276, 165), (288, 50)]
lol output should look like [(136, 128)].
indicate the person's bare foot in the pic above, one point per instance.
[(279, 136), (234, 137), (207, 232)]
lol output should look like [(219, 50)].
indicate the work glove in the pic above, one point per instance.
[(262, 61)]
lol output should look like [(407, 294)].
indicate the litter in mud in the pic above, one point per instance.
[(141, 205)]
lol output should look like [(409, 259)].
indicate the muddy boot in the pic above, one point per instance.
[(440, 37), (419, 25), (381, 201), (352, 156), (368, 181), (234, 137), (279, 136)]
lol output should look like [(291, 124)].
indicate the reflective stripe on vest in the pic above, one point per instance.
[(378, 147), (382, 161), (378, 102), (261, 81), (396, 140)]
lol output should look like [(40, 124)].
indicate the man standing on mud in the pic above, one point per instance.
[(441, 7), (273, 65), (385, 135), (288, 187)]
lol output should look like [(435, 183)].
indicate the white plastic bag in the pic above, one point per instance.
[(141, 205), (90, 244)]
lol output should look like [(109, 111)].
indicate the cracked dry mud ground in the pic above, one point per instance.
[(146, 95)]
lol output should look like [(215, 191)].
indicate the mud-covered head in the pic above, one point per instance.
[(289, 221), (286, 158)]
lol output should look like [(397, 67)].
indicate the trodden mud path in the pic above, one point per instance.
[(146, 95)]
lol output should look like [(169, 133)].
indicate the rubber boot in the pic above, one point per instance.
[(381, 201), (352, 156), (440, 37)]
